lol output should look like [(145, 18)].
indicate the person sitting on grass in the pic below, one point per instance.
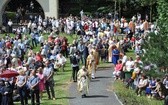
[(160, 91), (61, 61), (118, 69), (143, 83), (150, 88), (133, 77)]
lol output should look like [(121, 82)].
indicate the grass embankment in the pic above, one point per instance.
[(128, 96)]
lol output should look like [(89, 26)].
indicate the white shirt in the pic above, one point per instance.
[(41, 39), (129, 65), (10, 23), (165, 82), (143, 82), (62, 60), (124, 59)]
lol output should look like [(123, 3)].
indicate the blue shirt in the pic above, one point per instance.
[(33, 80), (47, 71), (21, 80)]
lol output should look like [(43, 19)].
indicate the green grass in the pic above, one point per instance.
[(128, 96), (131, 54)]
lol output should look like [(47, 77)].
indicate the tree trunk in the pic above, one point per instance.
[(151, 9), (119, 8), (115, 8)]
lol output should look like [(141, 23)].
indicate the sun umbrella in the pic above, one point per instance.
[(9, 74)]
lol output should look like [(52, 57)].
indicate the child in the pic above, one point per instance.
[(118, 68)]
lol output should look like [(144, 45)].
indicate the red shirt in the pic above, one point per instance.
[(133, 39), (38, 57), (8, 44), (118, 67)]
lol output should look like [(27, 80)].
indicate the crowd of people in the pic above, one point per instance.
[(97, 40)]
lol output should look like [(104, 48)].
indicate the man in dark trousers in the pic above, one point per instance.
[(85, 53), (74, 60)]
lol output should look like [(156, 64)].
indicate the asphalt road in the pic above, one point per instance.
[(99, 91)]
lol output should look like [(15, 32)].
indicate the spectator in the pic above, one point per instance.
[(74, 60), (7, 94), (22, 89), (61, 61), (49, 84), (143, 83), (151, 87), (117, 70), (10, 23), (115, 55), (33, 82)]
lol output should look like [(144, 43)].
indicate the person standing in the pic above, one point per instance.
[(83, 81), (48, 75), (74, 59), (80, 48), (91, 65), (10, 23), (34, 88), (115, 56), (22, 89), (42, 81), (33, 38), (6, 94), (85, 54)]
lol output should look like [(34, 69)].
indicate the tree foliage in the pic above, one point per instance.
[(147, 2), (157, 45)]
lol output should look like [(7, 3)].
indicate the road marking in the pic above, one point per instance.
[(118, 99), (117, 96)]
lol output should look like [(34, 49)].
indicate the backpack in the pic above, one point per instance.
[(73, 60)]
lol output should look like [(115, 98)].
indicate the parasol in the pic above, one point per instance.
[(9, 74)]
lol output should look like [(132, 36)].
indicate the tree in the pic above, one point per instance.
[(156, 45), (149, 3)]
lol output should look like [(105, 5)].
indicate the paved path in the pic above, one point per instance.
[(99, 92)]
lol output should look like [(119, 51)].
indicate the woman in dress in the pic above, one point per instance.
[(42, 81), (115, 55), (83, 81)]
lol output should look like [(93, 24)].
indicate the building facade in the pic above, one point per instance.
[(50, 7)]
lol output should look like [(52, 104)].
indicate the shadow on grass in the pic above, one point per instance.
[(60, 84), (97, 96)]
